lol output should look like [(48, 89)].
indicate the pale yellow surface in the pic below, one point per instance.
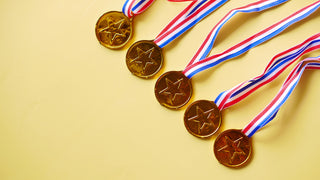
[(70, 109)]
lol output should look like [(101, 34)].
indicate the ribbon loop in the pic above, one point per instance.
[(269, 113), (208, 44), (244, 46), (276, 66)]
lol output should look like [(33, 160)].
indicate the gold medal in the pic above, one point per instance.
[(114, 29), (173, 89), (232, 148), (144, 59), (202, 118)]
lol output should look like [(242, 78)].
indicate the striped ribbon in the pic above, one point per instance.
[(190, 16), (269, 113), (197, 64), (131, 8), (208, 44), (276, 66), (181, 16)]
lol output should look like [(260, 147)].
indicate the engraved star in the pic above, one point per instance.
[(144, 58), (172, 90), (202, 118), (114, 29), (232, 147)]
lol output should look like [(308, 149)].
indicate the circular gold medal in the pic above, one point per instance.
[(202, 118), (232, 148), (144, 59), (113, 29), (173, 89)]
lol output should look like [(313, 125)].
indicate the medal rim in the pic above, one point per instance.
[(130, 20), (167, 105), (195, 134), (242, 164), (154, 45)]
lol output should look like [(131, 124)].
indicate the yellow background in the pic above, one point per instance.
[(70, 109)]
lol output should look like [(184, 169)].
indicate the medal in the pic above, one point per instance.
[(232, 148), (114, 29), (201, 62), (144, 58), (173, 89), (203, 118)]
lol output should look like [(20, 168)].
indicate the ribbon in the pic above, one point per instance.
[(271, 110), (199, 63), (276, 66), (191, 15), (129, 9)]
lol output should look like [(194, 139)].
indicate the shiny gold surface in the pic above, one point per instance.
[(144, 59), (232, 148), (202, 118), (114, 29), (173, 89)]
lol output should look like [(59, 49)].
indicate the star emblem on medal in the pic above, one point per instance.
[(144, 58), (232, 148), (203, 119), (114, 29), (172, 90)]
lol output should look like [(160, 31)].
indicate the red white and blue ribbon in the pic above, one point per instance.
[(134, 7), (269, 113), (199, 64), (190, 16), (208, 44), (276, 66), (181, 16)]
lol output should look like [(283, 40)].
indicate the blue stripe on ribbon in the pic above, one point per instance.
[(138, 4), (197, 7), (219, 96), (124, 7)]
